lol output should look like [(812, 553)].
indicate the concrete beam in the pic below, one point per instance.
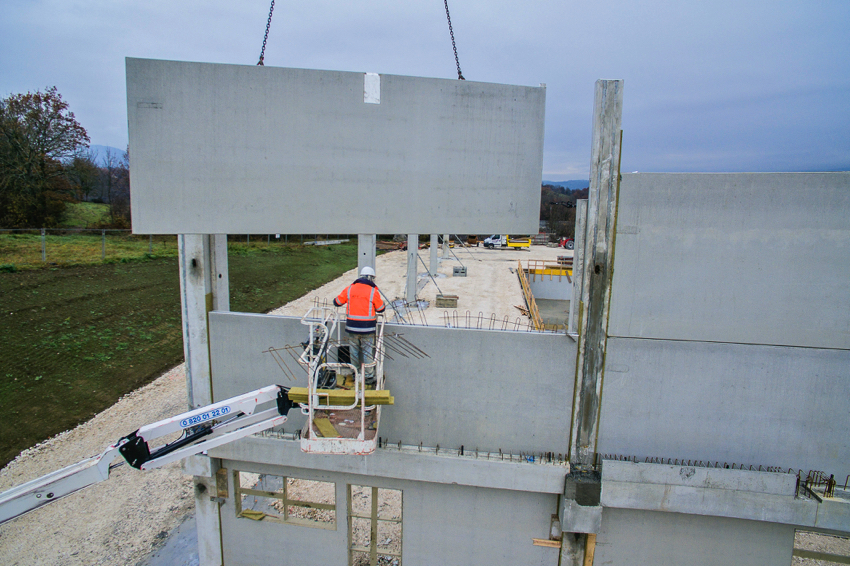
[(405, 464), (718, 492)]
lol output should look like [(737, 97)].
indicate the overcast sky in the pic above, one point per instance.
[(709, 86)]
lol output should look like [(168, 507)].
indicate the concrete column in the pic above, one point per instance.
[(195, 266), (412, 258), (366, 251), (598, 267), (434, 263), (578, 265), (581, 520), (202, 261), (446, 246), (220, 273)]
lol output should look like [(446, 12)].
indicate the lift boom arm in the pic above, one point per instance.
[(203, 428)]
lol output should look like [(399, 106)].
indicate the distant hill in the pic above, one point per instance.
[(571, 185), (99, 153)]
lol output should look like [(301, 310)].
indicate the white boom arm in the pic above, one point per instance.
[(203, 428)]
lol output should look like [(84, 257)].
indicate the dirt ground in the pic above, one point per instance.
[(121, 521)]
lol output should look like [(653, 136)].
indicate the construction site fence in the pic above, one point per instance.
[(52, 245)]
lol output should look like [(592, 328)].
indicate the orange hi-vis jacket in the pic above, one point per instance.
[(364, 303)]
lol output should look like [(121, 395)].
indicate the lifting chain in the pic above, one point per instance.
[(452, 34), (266, 37)]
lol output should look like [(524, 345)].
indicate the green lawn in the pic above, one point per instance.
[(84, 214), (75, 339)]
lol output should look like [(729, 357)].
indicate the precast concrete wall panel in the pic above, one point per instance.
[(484, 390), (550, 287), (741, 403), (442, 524), (256, 150), (643, 537), (756, 258)]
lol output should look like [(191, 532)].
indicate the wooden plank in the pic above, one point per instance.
[(342, 396), (326, 428), (546, 542), (589, 549)]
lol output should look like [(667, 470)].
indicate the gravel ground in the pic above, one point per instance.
[(118, 521)]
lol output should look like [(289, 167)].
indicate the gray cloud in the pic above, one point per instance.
[(720, 86)]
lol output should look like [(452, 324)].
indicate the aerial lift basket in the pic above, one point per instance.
[(342, 415)]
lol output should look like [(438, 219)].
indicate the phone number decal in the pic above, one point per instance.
[(204, 417)]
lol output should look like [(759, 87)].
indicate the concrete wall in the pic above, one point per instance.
[(761, 405), (488, 390), (730, 320), (753, 258), (550, 287), (639, 537), (247, 149), (441, 525)]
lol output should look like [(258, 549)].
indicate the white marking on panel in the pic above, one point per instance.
[(372, 88)]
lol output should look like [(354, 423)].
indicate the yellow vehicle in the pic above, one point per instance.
[(505, 241)]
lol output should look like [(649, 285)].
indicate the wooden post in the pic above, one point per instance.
[(598, 271)]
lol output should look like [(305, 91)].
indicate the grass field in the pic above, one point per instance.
[(75, 339), (84, 214), (20, 251)]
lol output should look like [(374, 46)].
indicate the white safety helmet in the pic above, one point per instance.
[(367, 272)]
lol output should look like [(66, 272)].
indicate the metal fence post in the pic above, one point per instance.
[(150, 244), (43, 247), (103, 245)]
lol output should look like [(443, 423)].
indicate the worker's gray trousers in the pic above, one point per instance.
[(361, 348)]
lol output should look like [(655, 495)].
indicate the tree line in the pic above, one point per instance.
[(558, 209), (46, 163)]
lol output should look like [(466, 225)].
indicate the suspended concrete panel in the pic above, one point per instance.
[(757, 258), (255, 150)]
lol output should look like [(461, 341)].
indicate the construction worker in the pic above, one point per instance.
[(363, 300)]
